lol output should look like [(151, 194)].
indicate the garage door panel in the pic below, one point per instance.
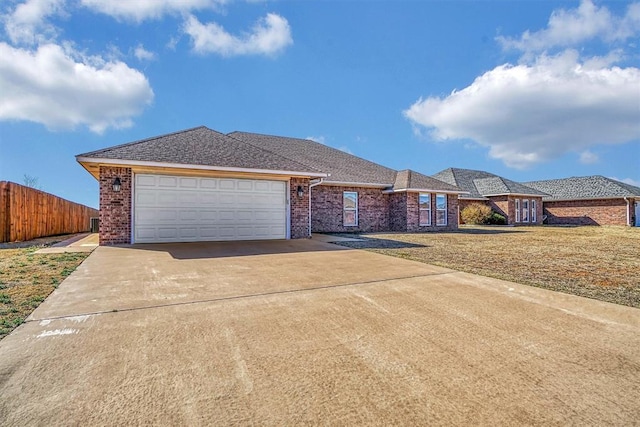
[(185, 209)]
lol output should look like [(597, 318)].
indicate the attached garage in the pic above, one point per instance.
[(191, 209)]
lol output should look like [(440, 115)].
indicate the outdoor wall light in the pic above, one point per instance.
[(116, 185), (300, 191)]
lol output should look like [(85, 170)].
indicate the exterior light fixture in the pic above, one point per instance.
[(300, 191), (116, 185)]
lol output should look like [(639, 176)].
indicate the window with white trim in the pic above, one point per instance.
[(534, 211), (441, 209), (350, 209), (425, 208), (525, 210), (517, 210)]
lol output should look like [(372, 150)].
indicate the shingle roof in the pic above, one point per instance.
[(585, 187), (343, 167), (408, 179), (480, 184), (201, 146)]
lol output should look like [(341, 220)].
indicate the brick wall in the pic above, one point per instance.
[(506, 206), (587, 212), (299, 208), (115, 208), (326, 209), (398, 211), (413, 214)]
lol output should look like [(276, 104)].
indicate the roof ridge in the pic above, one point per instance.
[(310, 141), (127, 144), (269, 151)]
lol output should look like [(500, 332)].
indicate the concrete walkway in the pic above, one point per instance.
[(305, 332), (81, 243)]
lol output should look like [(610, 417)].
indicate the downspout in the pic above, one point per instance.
[(626, 199), (310, 187)]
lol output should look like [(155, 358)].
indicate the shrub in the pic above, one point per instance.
[(496, 219), (476, 213)]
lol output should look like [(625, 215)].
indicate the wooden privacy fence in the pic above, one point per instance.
[(27, 213)]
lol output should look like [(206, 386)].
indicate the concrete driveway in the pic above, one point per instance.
[(305, 332)]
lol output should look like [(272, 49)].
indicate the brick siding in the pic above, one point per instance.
[(506, 206), (115, 208), (299, 208), (413, 214), (587, 212), (377, 211), (326, 209)]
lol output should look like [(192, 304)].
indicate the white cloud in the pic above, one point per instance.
[(141, 10), (629, 181), (319, 139), (62, 89), (345, 149), (531, 113), (143, 54), (572, 27), (588, 158), (28, 22), (269, 36)]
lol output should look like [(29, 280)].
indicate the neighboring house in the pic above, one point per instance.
[(202, 185), (589, 200), (518, 203)]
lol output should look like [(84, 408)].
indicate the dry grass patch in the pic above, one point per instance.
[(26, 279), (595, 262)]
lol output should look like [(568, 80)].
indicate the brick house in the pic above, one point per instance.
[(518, 203), (202, 185), (589, 200)]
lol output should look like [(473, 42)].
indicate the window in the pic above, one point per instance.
[(525, 211), (441, 209), (425, 208), (534, 212), (517, 210), (350, 209)]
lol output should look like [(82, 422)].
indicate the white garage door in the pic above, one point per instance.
[(191, 209)]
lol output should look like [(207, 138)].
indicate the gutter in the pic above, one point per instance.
[(311, 185), (628, 210)]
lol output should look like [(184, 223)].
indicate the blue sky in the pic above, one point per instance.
[(526, 89)]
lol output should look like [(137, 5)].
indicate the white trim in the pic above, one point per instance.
[(514, 194), (518, 211), (584, 200), (349, 210), (446, 210), (420, 209), (354, 184), (287, 215), (525, 210), (196, 167), (534, 211)]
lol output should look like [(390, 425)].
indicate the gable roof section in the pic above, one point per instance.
[(343, 168), (480, 184), (199, 147), (412, 180), (584, 188)]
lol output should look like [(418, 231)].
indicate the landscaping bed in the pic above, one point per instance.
[(595, 262), (26, 279)]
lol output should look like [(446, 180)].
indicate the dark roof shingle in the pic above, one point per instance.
[(201, 146), (480, 184), (584, 187), (412, 180)]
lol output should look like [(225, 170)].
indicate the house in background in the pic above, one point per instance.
[(518, 203), (589, 200), (202, 185)]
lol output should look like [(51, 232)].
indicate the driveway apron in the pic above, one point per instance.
[(306, 332)]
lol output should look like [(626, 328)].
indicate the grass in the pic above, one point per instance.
[(26, 279), (595, 262)]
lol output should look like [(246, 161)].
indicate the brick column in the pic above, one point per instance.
[(299, 208), (115, 208)]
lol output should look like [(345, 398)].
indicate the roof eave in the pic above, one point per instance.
[(354, 184), (118, 162), (514, 194), (424, 190)]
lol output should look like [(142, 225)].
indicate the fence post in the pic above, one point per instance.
[(5, 211)]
